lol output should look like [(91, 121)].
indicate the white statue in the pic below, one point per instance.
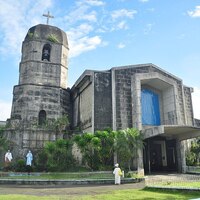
[(29, 158), (8, 156)]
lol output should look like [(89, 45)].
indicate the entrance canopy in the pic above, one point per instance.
[(172, 131)]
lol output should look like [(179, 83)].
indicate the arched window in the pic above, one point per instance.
[(46, 52), (42, 117)]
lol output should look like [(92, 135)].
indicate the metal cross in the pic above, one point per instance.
[(48, 16)]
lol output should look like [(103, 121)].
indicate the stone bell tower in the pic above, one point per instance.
[(42, 90), (41, 94)]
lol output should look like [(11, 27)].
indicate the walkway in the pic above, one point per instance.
[(67, 190), (42, 190)]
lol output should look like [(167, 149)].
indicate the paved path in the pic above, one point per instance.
[(41, 190), (171, 177), (68, 190)]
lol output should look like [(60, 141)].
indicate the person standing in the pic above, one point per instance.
[(118, 173)]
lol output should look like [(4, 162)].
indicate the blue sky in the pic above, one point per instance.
[(105, 34)]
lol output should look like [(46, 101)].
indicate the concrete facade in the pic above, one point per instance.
[(116, 102), (116, 96)]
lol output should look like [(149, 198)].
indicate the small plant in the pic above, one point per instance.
[(32, 35), (52, 38)]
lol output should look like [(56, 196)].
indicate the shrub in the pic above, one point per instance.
[(20, 165)]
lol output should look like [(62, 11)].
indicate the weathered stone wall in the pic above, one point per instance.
[(37, 71), (173, 109), (102, 100), (32, 51), (188, 106), (123, 95), (41, 73), (82, 100), (169, 106), (23, 140), (86, 108), (28, 100)]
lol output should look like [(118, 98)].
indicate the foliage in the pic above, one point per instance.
[(127, 143), (98, 148), (89, 146), (56, 156), (32, 35), (193, 155), (41, 161), (190, 158), (106, 150), (52, 38), (61, 123), (20, 165), (3, 141), (58, 125)]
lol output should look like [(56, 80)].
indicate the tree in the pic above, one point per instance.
[(193, 155), (127, 143), (98, 148), (106, 152), (89, 145)]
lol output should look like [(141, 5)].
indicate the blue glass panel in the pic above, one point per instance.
[(150, 108)]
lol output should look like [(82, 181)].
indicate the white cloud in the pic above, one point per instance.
[(195, 13), (196, 102), (81, 13), (143, 1), (148, 29), (84, 44), (121, 45), (122, 25), (15, 19), (80, 41), (5, 110), (95, 2), (123, 13)]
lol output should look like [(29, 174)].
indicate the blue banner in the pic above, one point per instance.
[(150, 108)]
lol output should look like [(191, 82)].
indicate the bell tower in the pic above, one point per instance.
[(42, 93)]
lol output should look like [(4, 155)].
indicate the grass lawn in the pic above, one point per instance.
[(188, 184), (146, 194)]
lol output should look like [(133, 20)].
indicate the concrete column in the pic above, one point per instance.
[(114, 108), (140, 167), (93, 103), (113, 101), (181, 156)]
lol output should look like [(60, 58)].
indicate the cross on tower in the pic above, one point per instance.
[(48, 16)]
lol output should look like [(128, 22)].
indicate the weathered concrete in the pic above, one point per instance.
[(65, 182)]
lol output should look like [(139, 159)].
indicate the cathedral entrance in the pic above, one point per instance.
[(160, 155)]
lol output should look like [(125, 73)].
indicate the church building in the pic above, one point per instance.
[(143, 96)]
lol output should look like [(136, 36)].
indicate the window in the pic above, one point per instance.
[(46, 51), (42, 117)]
